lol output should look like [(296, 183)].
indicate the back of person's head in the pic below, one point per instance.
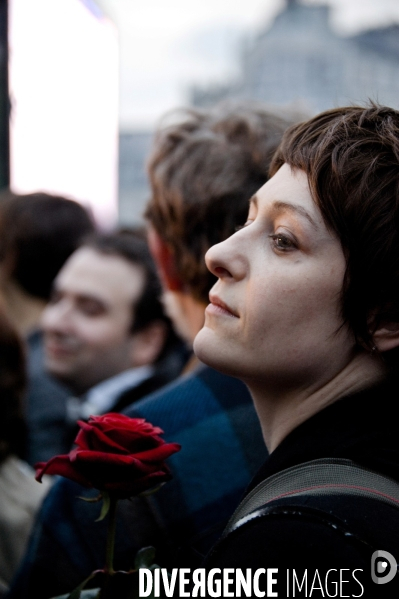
[(12, 387), (351, 158), (38, 232), (203, 169)]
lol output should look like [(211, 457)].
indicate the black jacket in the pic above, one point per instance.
[(332, 532)]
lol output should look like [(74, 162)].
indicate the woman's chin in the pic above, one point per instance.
[(203, 345), (213, 352)]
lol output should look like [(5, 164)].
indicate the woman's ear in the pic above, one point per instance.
[(386, 336), (163, 258)]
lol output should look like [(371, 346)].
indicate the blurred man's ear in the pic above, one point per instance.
[(164, 261), (147, 344), (386, 337)]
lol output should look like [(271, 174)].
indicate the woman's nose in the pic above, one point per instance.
[(224, 260)]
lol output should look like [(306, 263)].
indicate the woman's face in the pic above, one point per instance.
[(275, 313)]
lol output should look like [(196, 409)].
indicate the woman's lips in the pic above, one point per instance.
[(217, 306)]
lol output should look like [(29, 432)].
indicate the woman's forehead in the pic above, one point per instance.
[(288, 191)]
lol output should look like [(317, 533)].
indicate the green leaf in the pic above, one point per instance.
[(105, 508), (91, 499), (144, 558), (151, 491)]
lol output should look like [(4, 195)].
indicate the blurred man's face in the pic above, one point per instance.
[(87, 323)]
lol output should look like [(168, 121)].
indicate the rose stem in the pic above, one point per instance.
[(109, 554)]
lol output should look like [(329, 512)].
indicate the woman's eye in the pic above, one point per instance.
[(282, 242)]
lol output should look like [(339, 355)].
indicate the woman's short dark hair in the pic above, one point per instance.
[(351, 158)]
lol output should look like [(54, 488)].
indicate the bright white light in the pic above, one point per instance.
[(64, 94)]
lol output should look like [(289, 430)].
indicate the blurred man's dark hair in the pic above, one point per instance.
[(38, 232)]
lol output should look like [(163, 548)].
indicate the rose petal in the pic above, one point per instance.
[(93, 438), (61, 465), (83, 457), (128, 435), (158, 453), (116, 453), (121, 422), (90, 437)]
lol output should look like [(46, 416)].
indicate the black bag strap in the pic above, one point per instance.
[(326, 476)]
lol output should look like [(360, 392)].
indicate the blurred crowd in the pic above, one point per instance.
[(94, 322)]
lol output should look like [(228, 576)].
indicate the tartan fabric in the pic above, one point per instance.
[(211, 415)]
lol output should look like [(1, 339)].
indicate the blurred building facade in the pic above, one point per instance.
[(134, 149), (300, 60), (297, 61)]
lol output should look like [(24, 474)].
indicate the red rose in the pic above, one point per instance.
[(114, 453)]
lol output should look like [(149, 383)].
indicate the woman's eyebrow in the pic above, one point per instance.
[(285, 206)]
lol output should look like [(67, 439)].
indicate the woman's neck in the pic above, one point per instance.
[(280, 413)]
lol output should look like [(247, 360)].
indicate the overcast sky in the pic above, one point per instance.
[(167, 45)]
